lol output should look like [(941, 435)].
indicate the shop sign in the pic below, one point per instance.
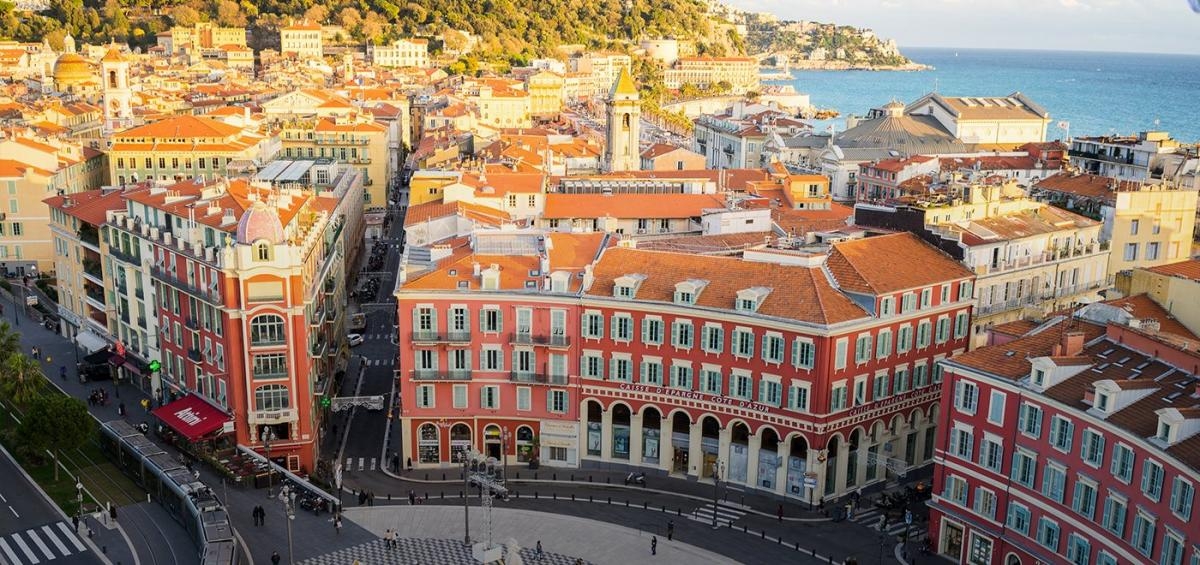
[(693, 395)]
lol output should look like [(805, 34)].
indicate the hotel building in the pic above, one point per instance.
[(797, 374)]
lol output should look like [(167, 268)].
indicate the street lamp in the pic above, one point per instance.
[(79, 493), (466, 461), (17, 305), (288, 497), (268, 436), (718, 468)]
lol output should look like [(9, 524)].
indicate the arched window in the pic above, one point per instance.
[(625, 122), (112, 79), (262, 251), (429, 444), (271, 397), (267, 329)]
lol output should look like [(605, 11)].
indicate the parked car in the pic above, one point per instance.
[(354, 339)]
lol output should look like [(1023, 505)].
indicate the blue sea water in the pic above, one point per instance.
[(1098, 93)]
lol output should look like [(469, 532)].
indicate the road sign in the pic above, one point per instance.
[(31, 300), (810, 482), (908, 517), (810, 475)]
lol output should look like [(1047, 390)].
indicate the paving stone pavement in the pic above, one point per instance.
[(425, 552), (593, 541)]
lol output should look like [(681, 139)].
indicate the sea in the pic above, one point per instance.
[(1095, 93)]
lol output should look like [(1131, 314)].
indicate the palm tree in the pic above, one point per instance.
[(21, 378), (10, 341)]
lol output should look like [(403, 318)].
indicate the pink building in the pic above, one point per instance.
[(1076, 443), (772, 369)]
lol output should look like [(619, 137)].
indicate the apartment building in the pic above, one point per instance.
[(1073, 443), (1026, 255), (1138, 157), (302, 40), (1146, 223), (705, 72), (183, 147), (400, 53), (563, 348)]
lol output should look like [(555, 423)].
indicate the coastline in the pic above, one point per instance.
[(805, 65)]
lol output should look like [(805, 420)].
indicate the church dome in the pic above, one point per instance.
[(260, 222), (72, 69)]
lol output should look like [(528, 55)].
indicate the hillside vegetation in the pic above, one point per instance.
[(506, 28)]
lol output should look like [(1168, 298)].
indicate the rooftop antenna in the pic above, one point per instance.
[(935, 84)]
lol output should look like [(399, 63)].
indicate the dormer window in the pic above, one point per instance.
[(1102, 401), (750, 299), (262, 251), (1039, 377), (627, 286), (1164, 432), (687, 291)]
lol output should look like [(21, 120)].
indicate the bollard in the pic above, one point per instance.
[(626, 503), (572, 476), (443, 476), (572, 497), (518, 476), (590, 498), (389, 496), (646, 505), (104, 549), (744, 529), (679, 512), (608, 480), (589, 478), (764, 534), (554, 476), (535, 494), (610, 500), (664, 509), (555, 495), (535, 476), (427, 476), (442, 494)]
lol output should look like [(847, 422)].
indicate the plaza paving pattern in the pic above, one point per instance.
[(425, 552)]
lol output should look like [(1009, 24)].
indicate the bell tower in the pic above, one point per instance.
[(622, 151), (118, 97)]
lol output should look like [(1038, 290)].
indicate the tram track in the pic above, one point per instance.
[(130, 506)]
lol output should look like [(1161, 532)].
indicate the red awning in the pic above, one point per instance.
[(192, 417)]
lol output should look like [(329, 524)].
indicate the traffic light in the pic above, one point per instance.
[(155, 366)]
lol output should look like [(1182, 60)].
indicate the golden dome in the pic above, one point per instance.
[(72, 69)]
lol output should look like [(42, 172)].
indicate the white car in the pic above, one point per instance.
[(354, 339)]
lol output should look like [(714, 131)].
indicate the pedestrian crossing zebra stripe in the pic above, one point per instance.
[(42, 543), (870, 518), (724, 514)]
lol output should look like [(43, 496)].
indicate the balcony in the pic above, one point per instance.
[(319, 348), (1072, 290), (192, 323), (92, 271), (96, 295), (209, 295), (194, 355), (537, 378), (1126, 159), (435, 375), (1005, 306), (273, 416), (1046, 257), (89, 235), (554, 340), (125, 257), (427, 337)]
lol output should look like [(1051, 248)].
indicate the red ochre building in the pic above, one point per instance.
[(1074, 443), (235, 285), (778, 366)]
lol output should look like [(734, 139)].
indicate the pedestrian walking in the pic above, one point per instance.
[(653, 545), (275, 558), (146, 404), (337, 524), (62, 372), (75, 522), (412, 497), (36, 352), (254, 515), (670, 530), (779, 513), (539, 550), (387, 538), (262, 516), (121, 409)]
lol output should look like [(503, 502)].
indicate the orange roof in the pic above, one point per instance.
[(182, 127), (1142, 307), (796, 292), (660, 149), (1087, 185), (890, 263), (1187, 269), (238, 197), (797, 222), (566, 206), (89, 206), (303, 27), (1011, 360), (504, 183), (440, 209), (328, 124), (566, 252)]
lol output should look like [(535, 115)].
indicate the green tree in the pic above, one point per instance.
[(10, 341), (20, 378), (55, 423)]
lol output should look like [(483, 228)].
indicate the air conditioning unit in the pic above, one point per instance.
[(641, 230)]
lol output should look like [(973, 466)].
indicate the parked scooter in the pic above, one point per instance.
[(636, 479)]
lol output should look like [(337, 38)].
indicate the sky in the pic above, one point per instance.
[(1155, 26)]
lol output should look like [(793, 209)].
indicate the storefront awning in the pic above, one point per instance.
[(192, 417), (90, 342)]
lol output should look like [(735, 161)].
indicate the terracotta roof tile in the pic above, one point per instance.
[(890, 263), (89, 206), (797, 292), (628, 206), (1011, 360), (1188, 269)]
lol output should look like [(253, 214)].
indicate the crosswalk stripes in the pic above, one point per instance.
[(725, 514), (39, 544), (372, 463), (379, 362), (870, 518)]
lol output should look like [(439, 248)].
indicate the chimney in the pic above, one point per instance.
[(475, 268), (1072, 343)]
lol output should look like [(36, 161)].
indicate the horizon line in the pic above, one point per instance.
[(1047, 49)]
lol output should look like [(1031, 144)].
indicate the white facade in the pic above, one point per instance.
[(401, 53)]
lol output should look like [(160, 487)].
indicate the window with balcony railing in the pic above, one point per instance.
[(267, 329), (271, 366), (271, 397)]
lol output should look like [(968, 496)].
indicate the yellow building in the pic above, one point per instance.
[(303, 39), (545, 93), (75, 222), (1147, 224), (400, 53), (182, 147), (356, 139), (205, 35), (1173, 286), (500, 105), (428, 186)]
